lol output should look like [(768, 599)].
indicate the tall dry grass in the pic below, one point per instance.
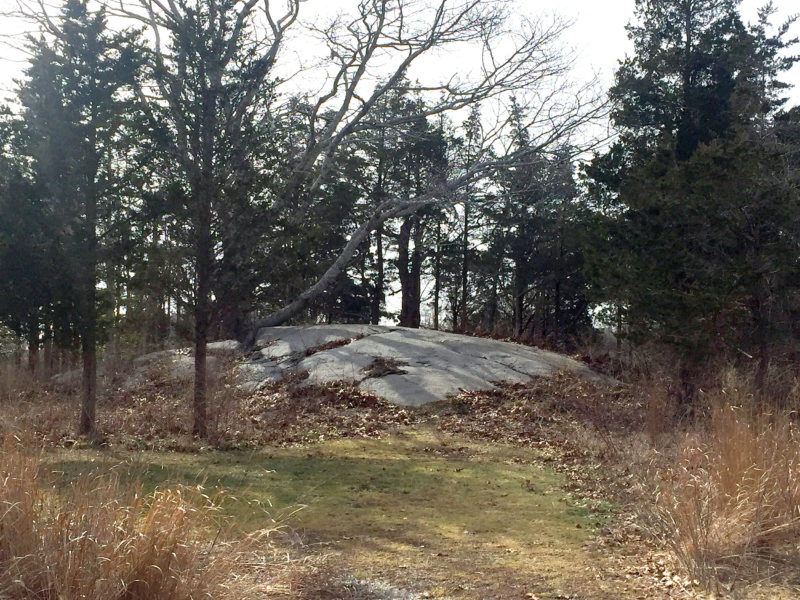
[(727, 504), (102, 539)]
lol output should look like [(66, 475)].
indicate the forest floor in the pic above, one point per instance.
[(529, 491), (521, 492), (420, 513)]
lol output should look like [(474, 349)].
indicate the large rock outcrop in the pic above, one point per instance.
[(404, 366)]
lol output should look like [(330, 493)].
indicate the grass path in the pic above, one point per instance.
[(434, 514)]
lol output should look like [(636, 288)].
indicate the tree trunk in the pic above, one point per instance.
[(464, 269), (760, 311), (687, 390), (49, 362), (763, 364), (415, 276), (33, 348), (202, 311), (454, 304), (377, 294), (437, 274), (403, 273), (87, 424), (490, 315), (88, 332), (383, 213), (686, 143), (519, 300), (559, 275)]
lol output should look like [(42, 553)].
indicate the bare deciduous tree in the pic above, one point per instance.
[(219, 69), (215, 62)]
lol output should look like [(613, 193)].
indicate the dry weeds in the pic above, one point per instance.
[(727, 504), (103, 538)]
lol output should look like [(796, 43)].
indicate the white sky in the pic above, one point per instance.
[(597, 36), (600, 40)]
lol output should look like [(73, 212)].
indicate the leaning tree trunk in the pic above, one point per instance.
[(385, 211)]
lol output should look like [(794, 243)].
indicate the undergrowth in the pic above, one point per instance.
[(151, 409), (719, 490), (726, 497), (103, 539)]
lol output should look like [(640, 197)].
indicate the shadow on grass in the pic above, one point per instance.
[(406, 500)]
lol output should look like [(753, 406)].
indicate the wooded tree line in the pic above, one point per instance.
[(697, 202), (161, 179)]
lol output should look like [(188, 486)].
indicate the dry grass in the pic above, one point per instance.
[(721, 490), (27, 403), (726, 495), (152, 409), (104, 539)]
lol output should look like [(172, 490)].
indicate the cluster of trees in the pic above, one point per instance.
[(698, 200), (166, 176), (168, 179)]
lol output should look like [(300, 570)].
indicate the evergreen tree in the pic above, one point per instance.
[(696, 213), (28, 246), (74, 106)]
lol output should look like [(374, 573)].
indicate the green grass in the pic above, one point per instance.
[(417, 505)]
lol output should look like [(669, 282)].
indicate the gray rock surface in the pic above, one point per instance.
[(280, 342), (177, 363), (255, 374), (224, 347), (404, 366)]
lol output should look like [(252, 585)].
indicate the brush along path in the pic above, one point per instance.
[(420, 513)]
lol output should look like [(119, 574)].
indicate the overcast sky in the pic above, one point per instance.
[(600, 40), (597, 36)]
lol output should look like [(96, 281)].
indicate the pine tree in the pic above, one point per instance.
[(74, 106)]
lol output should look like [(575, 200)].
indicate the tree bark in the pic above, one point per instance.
[(377, 294), (490, 316), (403, 274), (464, 269), (409, 268), (519, 300), (87, 424), (33, 348), (415, 276), (437, 274), (202, 311), (88, 274)]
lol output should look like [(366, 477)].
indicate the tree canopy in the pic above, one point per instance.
[(166, 175)]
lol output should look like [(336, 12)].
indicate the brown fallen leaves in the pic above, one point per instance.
[(291, 414)]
